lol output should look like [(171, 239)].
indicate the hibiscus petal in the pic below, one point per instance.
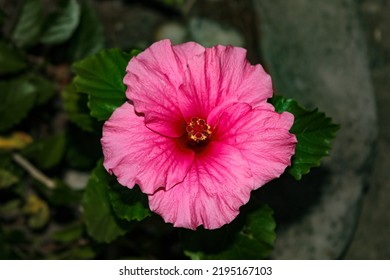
[(218, 183), (153, 78), (261, 134), (222, 75), (138, 155)]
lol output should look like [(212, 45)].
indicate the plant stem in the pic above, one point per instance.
[(33, 171)]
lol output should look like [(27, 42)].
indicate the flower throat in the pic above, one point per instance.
[(198, 130)]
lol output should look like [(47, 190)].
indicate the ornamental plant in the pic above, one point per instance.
[(189, 133), (175, 140)]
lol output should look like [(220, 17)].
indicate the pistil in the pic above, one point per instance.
[(198, 130)]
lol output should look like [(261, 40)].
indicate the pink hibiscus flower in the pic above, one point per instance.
[(197, 134)]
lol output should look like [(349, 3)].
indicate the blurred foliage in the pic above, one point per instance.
[(12, 60), (7, 179), (37, 221), (28, 28), (60, 25)]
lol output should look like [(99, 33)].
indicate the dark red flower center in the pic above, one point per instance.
[(198, 130)]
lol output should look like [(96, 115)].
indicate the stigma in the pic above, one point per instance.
[(198, 130)]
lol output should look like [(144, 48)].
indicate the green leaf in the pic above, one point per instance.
[(28, 28), (64, 195), (7, 179), (314, 132), (250, 236), (17, 97), (44, 88), (88, 38), (62, 24), (11, 59), (46, 152), (38, 212), (100, 219), (101, 77), (129, 204), (68, 233), (75, 105)]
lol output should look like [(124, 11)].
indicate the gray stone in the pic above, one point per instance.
[(371, 239), (316, 54), (128, 26), (77, 180), (201, 30), (210, 33), (174, 31)]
